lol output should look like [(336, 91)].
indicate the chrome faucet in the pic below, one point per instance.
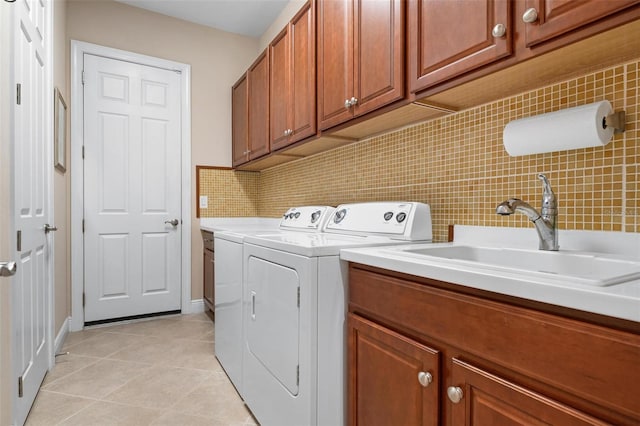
[(545, 221)]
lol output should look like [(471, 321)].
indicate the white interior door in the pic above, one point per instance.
[(132, 190), (31, 292)]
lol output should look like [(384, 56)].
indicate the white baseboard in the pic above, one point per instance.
[(197, 306), (61, 337)]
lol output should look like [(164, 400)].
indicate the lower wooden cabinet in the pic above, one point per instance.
[(394, 380), (424, 352), (487, 399), (208, 271)]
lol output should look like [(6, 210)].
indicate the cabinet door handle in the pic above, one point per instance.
[(530, 16), (347, 103), (455, 394), (425, 378), (499, 31), (354, 101)]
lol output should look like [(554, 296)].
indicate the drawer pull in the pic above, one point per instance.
[(455, 394), (425, 378)]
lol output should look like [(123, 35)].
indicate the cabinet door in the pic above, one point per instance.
[(335, 62), (280, 97), (258, 83), (439, 50), (556, 17), (378, 53), (490, 400), (239, 122), (385, 374), (209, 273), (302, 110)]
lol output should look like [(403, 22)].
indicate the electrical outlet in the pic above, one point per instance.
[(204, 201)]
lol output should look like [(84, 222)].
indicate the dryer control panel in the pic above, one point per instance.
[(310, 218), (408, 221)]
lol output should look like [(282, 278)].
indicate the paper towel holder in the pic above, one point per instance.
[(615, 120)]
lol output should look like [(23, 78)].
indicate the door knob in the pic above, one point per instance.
[(173, 222), (499, 30), (8, 269), (49, 228)]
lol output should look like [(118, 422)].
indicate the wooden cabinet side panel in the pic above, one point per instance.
[(303, 74), (378, 53), (439, 50), (383, 377), (581, 359), (492, 400), (335, 61), (258, 84), (279, 93), (239, 122), (557, 17)]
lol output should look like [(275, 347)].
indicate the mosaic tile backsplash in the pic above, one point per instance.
[(458, 165), (230, 194)]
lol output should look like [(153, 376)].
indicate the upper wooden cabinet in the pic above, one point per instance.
[(439, 50), (250, 113), (258, 88), (546, 19), (360, 57), (240, 122), (293, 80)]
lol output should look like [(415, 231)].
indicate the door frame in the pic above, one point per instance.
[(78, 49)]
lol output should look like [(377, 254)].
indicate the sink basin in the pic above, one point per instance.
[(573, 267)]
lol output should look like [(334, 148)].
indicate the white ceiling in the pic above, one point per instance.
[(247, 17)]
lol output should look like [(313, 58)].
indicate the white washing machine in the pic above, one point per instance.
[(228, 252), (295, 292)]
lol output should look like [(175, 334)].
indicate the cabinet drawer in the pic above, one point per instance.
[(592, 362)]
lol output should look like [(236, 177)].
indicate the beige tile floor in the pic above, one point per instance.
[(155, 372)]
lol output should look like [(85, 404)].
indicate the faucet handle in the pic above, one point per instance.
[(545, 183), (548, 207)]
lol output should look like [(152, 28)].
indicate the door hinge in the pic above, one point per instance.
[(83, 152), (298, 297), (83, 226), (83, 300), (83, 77), (20, 387), (19, 93), (19, 241), (298, 375)]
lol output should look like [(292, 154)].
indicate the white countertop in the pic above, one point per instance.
[(619, 301), (217, 224)]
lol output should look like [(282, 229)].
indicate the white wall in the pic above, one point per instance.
[(280, 22)]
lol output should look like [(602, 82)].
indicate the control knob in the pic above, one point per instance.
[(400, 217), (388, 216), (315, 216), (339, 216)]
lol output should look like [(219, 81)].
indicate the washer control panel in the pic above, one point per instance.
[(312, 218), (409, 221)]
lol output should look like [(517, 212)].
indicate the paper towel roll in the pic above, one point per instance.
[(572, 128)]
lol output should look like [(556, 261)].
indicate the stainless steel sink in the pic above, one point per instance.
[(572, 267)]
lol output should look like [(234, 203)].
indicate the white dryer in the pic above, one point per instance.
[(295, 290), (228, 251)]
